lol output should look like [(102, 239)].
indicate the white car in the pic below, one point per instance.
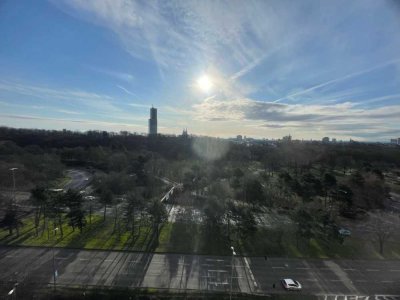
[(344, 232), (290, 284)]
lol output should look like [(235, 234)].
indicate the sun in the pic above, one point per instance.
[(204, 83)]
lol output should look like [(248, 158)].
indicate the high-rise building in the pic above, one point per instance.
[(153, 121), (185, 133)]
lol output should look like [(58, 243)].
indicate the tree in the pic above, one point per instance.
[(254, 193), (382, 225), (106, 198), (312, 186), (344, 197), (345, 162), (214, 212), (76, 214), (133, 203), (305, 224), (246, 224), (54, 210), (158, 215), (328, 183), (11, 220), (39, 199)]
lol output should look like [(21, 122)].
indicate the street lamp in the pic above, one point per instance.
[(13, 176), (233, 255), (54, 262)]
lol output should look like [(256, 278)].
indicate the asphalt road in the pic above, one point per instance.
[(79, 179), (326, 278)]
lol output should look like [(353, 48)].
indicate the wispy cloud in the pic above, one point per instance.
[(94, 101), (379, 99), (336, 80), (62, 120), (127, 91), (139, 105), (115, 74)]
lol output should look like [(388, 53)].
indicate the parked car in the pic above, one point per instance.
[(344, 232), (291, 284)]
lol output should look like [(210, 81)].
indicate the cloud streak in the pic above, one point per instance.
[(339, 79)]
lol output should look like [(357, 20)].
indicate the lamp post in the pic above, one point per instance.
[(13, 177), (54, 262), (233, 256)]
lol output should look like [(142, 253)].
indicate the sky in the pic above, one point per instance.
[(264, 69)]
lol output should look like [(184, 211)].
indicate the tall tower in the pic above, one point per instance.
[(153, 121)]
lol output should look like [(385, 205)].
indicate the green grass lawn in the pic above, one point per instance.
[(98, 235), (195, 238)]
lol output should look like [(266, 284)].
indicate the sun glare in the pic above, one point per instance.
[(204, 83)]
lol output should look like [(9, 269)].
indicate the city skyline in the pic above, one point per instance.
[(260, 69)]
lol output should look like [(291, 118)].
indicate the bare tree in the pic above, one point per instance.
[(383, 226)]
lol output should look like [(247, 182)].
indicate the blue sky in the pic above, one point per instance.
[(308, 68)]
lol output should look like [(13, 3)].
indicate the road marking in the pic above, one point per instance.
[(209, 259), (133, 261), (349, 269), (394, 270), (360, 280), (387, 281), (335, 280), (310, 279), (372, 270), (278, 267), (61, 258), (108, 260), (83, 259)]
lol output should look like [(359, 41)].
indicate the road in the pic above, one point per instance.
[(79, 179), (325, 278)]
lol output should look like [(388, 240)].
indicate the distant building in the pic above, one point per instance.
[(185, 133), (325, 139), (333, 140), (153, 121), (395, 141), (287, 138), (239, 138)]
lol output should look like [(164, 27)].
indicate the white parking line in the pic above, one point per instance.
[(394, 270), (372, 270), (278, 267), (209, 259), (349, 269)]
